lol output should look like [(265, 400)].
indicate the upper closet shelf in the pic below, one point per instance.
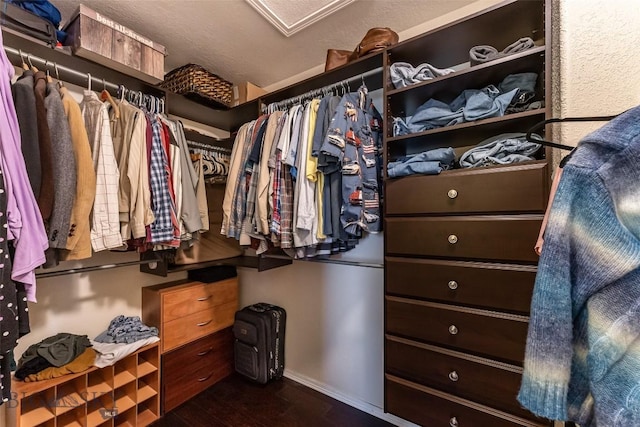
[(406, 100)]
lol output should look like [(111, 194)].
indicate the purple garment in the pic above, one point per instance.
[(25, 223)]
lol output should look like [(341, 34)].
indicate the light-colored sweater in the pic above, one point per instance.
[(582, 358)]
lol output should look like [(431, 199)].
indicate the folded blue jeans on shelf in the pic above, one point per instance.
[(430, 162)]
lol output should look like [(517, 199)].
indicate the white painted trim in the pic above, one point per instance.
[(262, 7), (356, 403)]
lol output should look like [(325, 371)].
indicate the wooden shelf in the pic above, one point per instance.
[(145, 418), (124, 403), (96, 418), (122, 378), (146, 368), (145, 393), (98, 390), (36, 416), (64, 403)]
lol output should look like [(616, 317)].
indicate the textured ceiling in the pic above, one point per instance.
[(231, 39)]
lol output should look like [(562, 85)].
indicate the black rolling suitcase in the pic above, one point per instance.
[(259, 345)]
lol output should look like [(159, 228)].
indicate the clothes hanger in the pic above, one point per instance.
[(106, 96), (33, 68), (89, 81), (55, 67), (46, 71), (25, 67), (543, 123)]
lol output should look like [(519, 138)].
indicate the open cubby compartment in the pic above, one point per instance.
[(125, 397), (148, 386), (126, 418), (70, 395), (38, 408), (100, 411), (448, 46), (73, 418), (148, 411), (124, 371), (99, 382), (148, 361)]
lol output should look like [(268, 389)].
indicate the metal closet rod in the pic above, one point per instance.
[(45, 63), (319, 91), (94, 268), (330, 261)]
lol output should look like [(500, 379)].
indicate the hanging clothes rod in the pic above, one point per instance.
[(72, 76), (45, 275), (345, 84), (330, 261)]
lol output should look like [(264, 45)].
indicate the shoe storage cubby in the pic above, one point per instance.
[(124, 394)]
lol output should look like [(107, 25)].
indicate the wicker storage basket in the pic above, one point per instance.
[(195, 82)]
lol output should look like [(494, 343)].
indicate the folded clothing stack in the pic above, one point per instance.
[(126, 330), (500, 150), (58, 351), (430, 162), (483, 53), (404, 74)]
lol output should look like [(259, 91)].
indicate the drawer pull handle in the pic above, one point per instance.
[(204, 298), (453, 239), (453, 422), (453, 330), (205, 378), (453, 376), (452, 194), (453, 285), (202, 353), (204, 323)]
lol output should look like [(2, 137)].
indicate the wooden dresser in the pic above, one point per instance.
[(194, 320), (459, 258)]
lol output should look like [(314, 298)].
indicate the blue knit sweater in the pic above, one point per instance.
[(582, 359)]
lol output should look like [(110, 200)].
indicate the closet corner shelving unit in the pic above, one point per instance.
[(459, 259), (125, 394)]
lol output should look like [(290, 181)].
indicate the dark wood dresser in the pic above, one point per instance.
[(459, 246)]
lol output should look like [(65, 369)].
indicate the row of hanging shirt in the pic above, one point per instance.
[(307, 179), (107, 174)]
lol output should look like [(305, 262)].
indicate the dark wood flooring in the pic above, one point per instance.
[(236, 402)]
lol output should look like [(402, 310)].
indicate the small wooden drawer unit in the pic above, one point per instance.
[(194, 320), (186, 311), (507, 189)]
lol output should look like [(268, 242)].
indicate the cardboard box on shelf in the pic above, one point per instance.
[(94, 36), (244, 92)]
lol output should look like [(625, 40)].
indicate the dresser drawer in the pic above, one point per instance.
[(196, 297), (181, 331), (495, 286), (481, 380), (509, 238), (429, 407), (193, 368), (486, 333), (521, 188)]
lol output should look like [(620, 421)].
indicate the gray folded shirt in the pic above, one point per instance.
[(404, 74), (483, 53)]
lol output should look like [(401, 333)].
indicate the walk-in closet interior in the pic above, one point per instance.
[(436, 228)]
